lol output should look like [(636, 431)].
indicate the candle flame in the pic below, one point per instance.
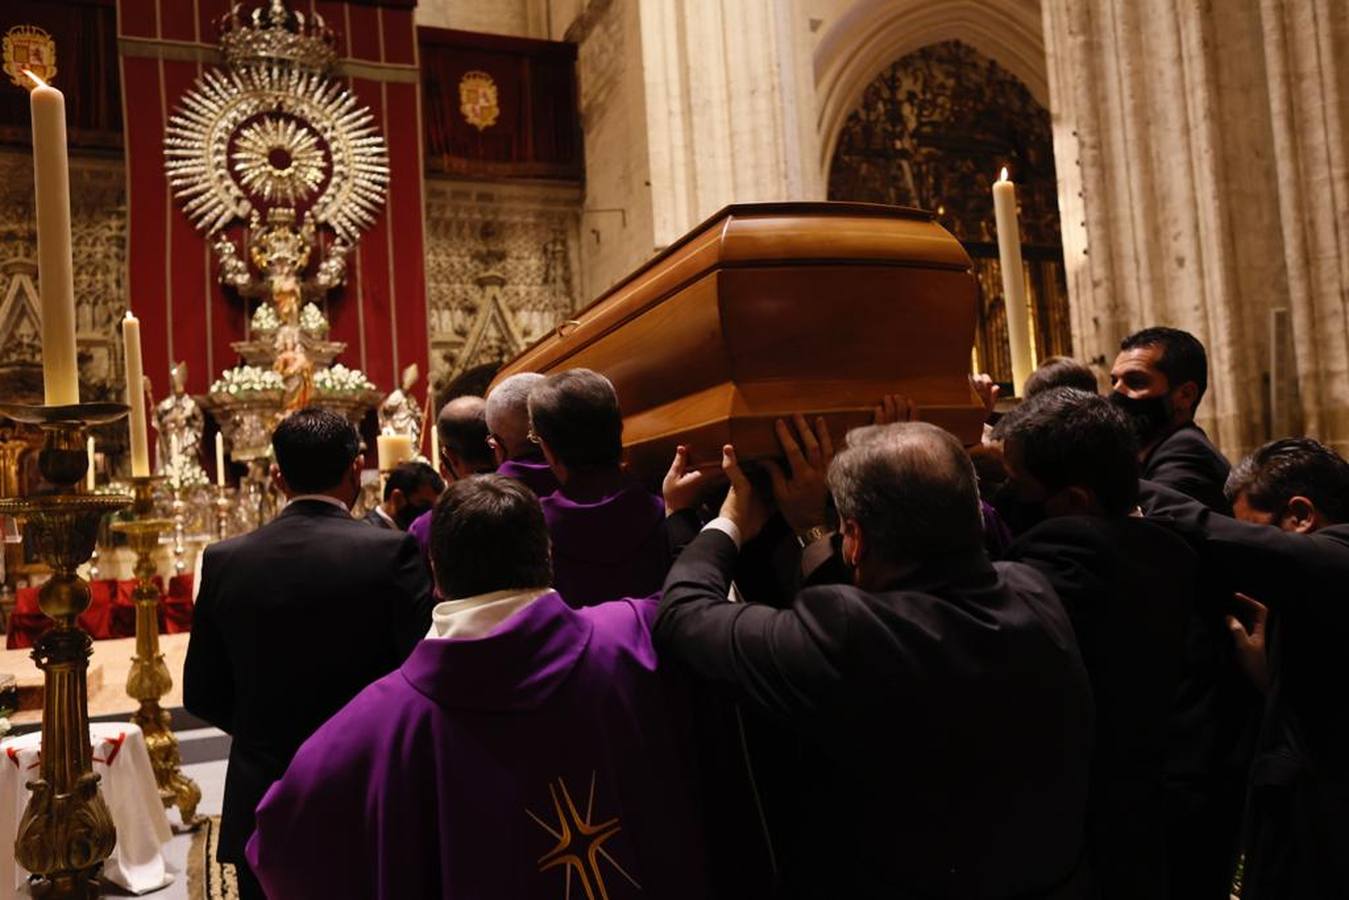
[(36, 80), (1003, 176)]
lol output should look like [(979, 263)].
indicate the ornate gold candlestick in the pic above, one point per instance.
[(66, 832), (149, 678), (222, 512)]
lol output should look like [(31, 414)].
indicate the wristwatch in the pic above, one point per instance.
[(811, 535)]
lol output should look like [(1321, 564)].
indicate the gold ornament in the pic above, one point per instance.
[(478, 99), (29, 47)]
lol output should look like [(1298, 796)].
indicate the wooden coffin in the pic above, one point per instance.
[(769, 309)]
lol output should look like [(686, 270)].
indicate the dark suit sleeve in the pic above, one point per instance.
[(1259, 560), (681, 527), (208, 683), (768, 656), (412, 599), (1187, 464)]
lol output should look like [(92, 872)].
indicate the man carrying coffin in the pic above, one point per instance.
[(464, 453), (508, 434), (1073, 454), (941, 698), (1289, 551), (525, 749), (609, 535)]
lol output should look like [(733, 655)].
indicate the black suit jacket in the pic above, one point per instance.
[(291, 621), (1298, 839), (1128, 585), (373, 517), (946, 722), (1187, 462)]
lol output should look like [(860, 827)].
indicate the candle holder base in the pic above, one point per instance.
[(149, 678)]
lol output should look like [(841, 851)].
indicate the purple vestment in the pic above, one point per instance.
[(541, 761), (536, 475), (609, 538), (533, 472)]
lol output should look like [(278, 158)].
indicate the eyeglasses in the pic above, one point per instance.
[(533, 438)]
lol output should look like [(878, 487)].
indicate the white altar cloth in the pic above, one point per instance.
[(128, 787)]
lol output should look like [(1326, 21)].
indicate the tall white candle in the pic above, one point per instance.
[(219, 459), (435, 447), (1013, 279), (89, 478), (393, 449), (56, 276), (135, 396)]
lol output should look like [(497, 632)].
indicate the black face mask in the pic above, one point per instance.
[(410, 513), (1150, 416)]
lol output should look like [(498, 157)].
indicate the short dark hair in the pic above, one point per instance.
[(1057, 372), (911, 487), (462, 424), (576, 412), (314, 448), (1071, 438), (410, 477), (1293, 467), (1183, 358), (488, 534)]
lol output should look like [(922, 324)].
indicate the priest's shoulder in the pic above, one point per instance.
[(623, 624)]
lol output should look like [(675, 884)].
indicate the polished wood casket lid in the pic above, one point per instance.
[(769, 309)]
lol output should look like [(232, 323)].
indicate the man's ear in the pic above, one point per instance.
[(559, 469), (1300, 516), (398, 497), (1186, 397), (279, 480), (854, 543)]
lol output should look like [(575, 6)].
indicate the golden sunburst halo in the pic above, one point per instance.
[(273, 135), (280, 159)]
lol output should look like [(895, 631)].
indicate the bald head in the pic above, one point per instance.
[(911, 489), (508, 413), (462, 424)]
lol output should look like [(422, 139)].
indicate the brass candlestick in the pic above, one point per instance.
[(149, 678), (223, 506), (179, 524), (66, 832)]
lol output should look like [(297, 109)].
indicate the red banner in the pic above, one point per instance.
[(185, 313)]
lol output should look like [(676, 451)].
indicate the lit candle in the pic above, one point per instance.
[(135, 396), (219, 459), (56, 277), (393, 449), (1013, 279), (89, 475)]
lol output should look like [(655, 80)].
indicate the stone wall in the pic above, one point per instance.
[(1201, 160), (501, 269), (520, 18)]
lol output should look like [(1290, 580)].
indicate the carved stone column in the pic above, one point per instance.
[(1176, 205), (1306, 44)]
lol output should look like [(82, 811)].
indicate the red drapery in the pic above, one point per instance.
[(185, 313)]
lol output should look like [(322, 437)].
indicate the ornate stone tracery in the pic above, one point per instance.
[(500, 272)]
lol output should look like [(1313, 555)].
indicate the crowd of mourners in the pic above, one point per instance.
[(1085, 659)]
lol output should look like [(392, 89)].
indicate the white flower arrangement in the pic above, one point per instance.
[(185, 472), (247, 380), (265, 319), (341, 380), (312, 320)]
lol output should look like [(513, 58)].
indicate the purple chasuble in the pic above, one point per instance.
[(542, 760), (420, 529), (531, 471), (609, 538)]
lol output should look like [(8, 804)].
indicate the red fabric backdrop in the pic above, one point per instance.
[(185, 313)]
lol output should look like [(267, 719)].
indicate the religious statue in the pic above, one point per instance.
[(180, 424), (399, 413)]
